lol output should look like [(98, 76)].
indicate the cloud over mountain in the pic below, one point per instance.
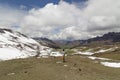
[(68, 21), (72, 21)]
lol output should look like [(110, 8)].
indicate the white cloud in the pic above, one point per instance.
[(45, 21), (10, 17), (67, 21)]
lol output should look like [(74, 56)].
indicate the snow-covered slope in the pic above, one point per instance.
[(16, 45)]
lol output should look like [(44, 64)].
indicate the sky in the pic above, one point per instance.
[(61, 19), (34, 3)]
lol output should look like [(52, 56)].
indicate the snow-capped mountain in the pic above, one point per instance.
[(16, 45)]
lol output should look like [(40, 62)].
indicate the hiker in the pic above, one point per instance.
[(64, 53)]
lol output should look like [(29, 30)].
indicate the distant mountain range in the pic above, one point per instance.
[(111, 37)]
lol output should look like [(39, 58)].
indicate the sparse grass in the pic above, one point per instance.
[(70, 51), (111, 55), (114, 54), (77, 68), (83, 49)]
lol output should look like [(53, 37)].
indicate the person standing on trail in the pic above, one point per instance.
[(64, 53)]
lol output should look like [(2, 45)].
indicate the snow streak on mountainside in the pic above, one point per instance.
[(16, 45)]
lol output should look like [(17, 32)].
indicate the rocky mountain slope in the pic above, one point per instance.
[(16, 45), (47, 42), (111, 37)]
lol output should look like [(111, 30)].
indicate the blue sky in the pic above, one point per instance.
[(33, 3)]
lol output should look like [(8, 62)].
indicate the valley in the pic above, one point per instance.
[(59, 39), (94, 60)]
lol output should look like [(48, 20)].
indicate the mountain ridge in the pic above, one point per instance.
[(111, 37)]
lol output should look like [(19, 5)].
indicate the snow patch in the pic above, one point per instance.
[(105, 50), (56, 54), (111, 64), (94, 58), (48, 53), (11, 53), (85, 53)]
